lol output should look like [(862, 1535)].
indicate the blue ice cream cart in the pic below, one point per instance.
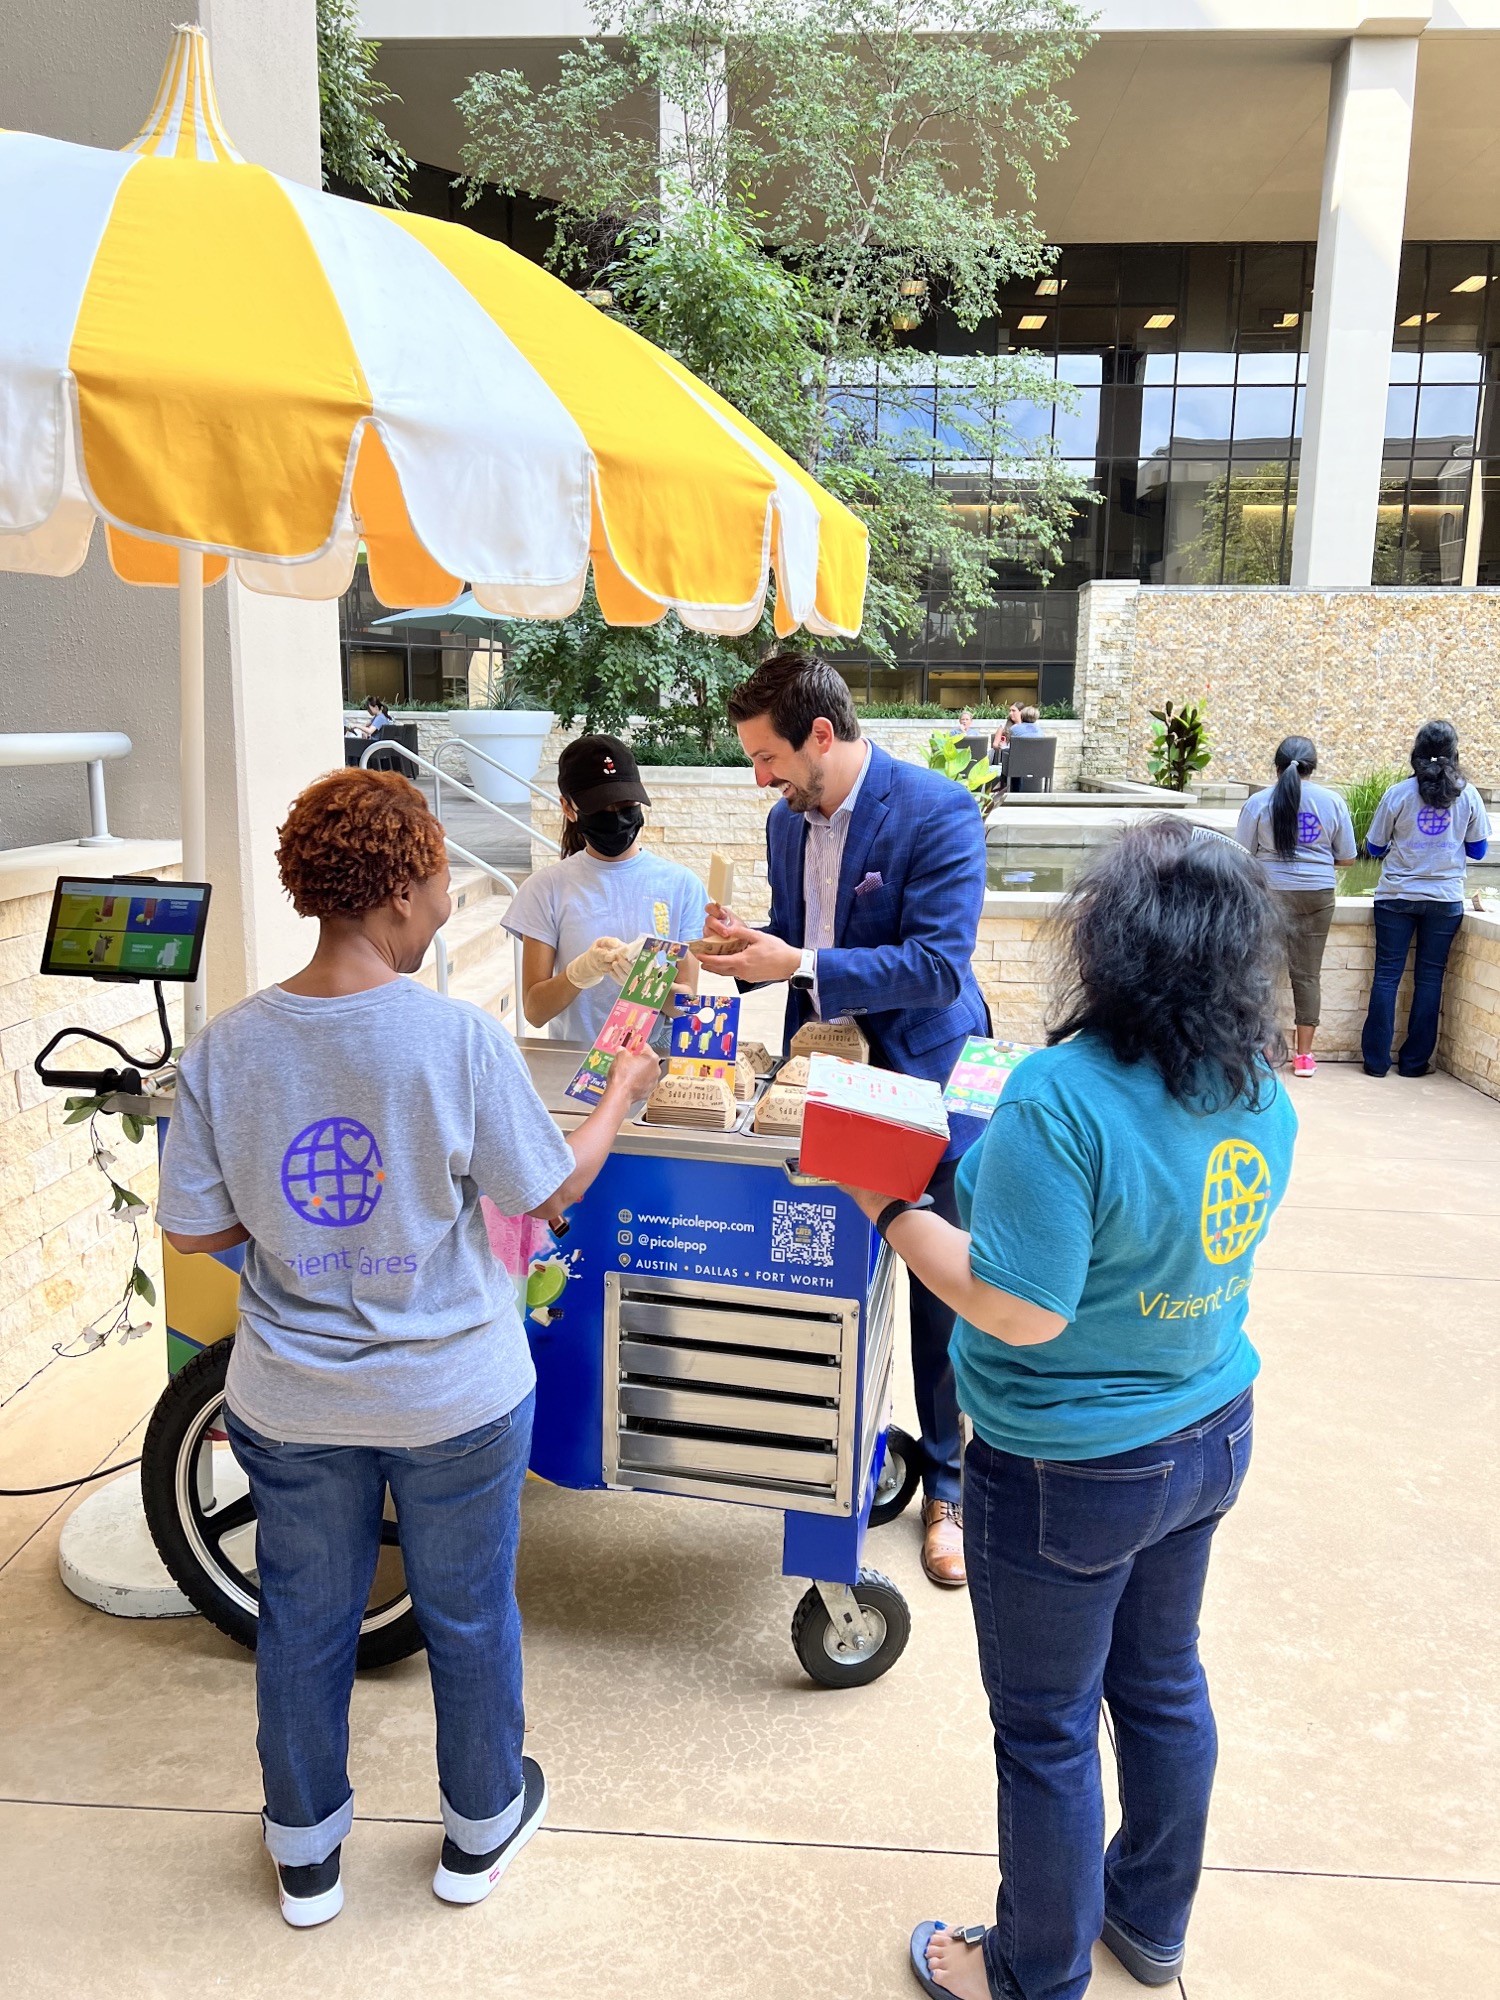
[(710, 1325)]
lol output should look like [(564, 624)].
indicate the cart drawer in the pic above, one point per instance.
[(813, 1470), (737, 1371), (787, 1333), (729, 1412)]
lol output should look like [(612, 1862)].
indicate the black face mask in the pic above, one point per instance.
[(612, 831)]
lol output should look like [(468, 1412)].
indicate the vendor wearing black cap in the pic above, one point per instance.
[(580, 919)]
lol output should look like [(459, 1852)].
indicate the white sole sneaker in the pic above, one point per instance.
[(304, 1913), (453, 1886)]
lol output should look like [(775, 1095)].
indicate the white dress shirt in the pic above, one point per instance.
[(823, 859)]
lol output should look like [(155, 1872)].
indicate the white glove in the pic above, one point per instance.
[(624, 958), (591, 966)]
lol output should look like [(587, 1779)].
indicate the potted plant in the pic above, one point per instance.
[(507, 730)]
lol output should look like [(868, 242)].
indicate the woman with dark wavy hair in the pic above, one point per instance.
[(1302, 835), (1112, 1211), (1424, 832)]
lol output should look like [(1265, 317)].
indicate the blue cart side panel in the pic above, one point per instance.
[(706, 1222)]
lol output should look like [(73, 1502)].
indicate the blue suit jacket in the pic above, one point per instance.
[(901, 962)]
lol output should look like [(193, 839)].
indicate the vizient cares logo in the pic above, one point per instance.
[(332, 1173), (1236, 1195), (1432, 820)]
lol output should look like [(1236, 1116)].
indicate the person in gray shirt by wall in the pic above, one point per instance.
[(1425, 831), (379, 1342), (1302, 835)]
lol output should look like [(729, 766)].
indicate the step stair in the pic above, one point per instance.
[(481, 952)]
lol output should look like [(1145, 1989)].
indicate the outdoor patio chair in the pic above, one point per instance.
[(1030, 764)]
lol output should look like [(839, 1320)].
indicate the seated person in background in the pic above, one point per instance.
[(1027, 723), (1001, 737), (578, 917)]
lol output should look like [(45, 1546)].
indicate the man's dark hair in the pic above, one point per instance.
[(794, 688)]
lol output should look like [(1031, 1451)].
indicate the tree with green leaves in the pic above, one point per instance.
[(357, 148), (780, 193)]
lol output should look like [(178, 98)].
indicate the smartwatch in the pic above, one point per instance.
[(897, 1207), (807, 971)]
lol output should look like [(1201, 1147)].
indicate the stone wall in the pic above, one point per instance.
[(1357, 670), (62, 1257), (1012, 959), (1469, 1043)]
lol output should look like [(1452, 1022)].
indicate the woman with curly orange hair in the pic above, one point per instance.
[(378, 1343)]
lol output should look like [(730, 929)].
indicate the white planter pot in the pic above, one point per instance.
[(514, 738)]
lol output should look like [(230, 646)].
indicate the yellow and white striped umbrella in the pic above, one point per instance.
[(208, 357)]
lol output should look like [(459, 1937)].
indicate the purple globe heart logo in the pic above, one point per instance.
[(332, 1173), (1309, 828), (1432, 819)]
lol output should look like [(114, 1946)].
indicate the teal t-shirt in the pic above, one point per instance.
[(1095, 1194)]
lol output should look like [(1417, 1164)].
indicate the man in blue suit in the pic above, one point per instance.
[(877, 883)]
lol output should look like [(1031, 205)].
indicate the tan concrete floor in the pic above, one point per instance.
[(720, 1827)]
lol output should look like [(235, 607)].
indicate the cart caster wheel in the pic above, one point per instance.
[(203, 1524), (900, 1476), (837, 1654)]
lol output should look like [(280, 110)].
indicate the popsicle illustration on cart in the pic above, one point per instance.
[(538, 1269), (705, 1032), (630, 1021)]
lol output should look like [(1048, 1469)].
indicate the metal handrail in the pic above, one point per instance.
[(425, 764), (73, 746), (499, 875), (472, 750)]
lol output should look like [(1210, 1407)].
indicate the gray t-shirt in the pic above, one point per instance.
[(1426, 858), (571, 903), (353, 1138), (1325, 833)]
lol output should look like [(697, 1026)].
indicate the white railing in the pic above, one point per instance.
[(465, 791), (472, 750), (92, 747)]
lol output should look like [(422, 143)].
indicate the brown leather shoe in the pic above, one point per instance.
[(943, 1543)]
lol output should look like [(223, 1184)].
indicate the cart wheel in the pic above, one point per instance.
[(200, 1516), (836, 1661), (900, 1476)]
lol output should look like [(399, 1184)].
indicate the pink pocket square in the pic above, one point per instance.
[(870, 884)]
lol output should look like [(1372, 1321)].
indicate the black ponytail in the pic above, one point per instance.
[(573, 841), (1296, 759), (1434, 759)]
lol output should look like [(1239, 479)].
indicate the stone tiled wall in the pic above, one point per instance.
[(62, 1258), (1357, 670), (1014, 952), (1469, 1043)]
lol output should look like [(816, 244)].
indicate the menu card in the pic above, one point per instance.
[(981, 1074), (630, 1021)]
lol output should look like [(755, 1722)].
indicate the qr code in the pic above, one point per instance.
[(802, 1232)]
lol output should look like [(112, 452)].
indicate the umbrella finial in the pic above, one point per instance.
[(184, 122)]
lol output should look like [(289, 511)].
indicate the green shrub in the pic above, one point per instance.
[(1179, 744), (951, 756), (1058, 711), (1364, 793), (679, 748)]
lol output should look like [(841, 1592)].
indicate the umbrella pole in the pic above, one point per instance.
[(192, 754)]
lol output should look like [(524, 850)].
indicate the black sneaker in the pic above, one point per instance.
[(1142, 1966), (312, 1895), (469, 1878)]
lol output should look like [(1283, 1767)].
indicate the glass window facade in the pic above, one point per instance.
[(1189, 376)]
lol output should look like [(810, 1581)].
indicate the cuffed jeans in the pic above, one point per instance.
[(931, 1367), (318, 1515), (1399, 919), (1086, 1580)]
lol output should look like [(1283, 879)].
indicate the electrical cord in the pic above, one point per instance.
[(107, 1080), (64, 1485)]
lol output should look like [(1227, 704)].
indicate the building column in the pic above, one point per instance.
[(1360, 227)]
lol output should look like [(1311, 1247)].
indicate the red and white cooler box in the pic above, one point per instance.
[(871, 1128)]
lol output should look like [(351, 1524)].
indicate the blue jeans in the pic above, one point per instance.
[(318, 1512), (1434, 925), (1086, 1579)]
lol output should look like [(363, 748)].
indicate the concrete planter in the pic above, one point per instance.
[(514, 738)]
